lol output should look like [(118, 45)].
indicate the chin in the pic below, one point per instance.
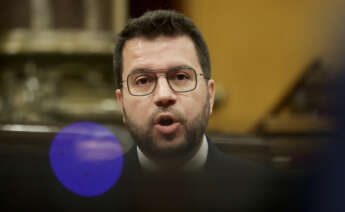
[(167, 148)]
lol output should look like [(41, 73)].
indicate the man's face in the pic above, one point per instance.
[(165, 123)]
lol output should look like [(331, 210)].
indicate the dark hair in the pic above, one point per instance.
[(161, 23)]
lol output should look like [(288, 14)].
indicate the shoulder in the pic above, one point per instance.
[(241, 181), (217, 160)]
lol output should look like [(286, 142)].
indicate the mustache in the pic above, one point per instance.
[(178, 115)]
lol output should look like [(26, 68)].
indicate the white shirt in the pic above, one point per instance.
[(195, 163)]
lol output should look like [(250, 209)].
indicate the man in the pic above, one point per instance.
[(165, 91), (166, 96)]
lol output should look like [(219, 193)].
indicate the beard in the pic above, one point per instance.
[(192, 134)]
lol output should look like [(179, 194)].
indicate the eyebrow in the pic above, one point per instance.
[(140, 70)]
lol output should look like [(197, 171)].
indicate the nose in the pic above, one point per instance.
[(164, 96)]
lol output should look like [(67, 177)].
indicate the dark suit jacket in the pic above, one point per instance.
[(225, 184)]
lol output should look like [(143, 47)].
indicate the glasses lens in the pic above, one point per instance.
[(182, 79), (141, 83)]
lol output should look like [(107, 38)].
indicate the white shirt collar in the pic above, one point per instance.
[(195, 163)]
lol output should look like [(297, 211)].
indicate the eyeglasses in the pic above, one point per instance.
[(143, 82)]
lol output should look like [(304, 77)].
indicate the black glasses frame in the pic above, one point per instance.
[(166, 77)]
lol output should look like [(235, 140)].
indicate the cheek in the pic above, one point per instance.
[(194, 105), (137, 110)]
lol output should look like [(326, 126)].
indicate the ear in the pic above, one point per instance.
[(119, 99), (211, 93)]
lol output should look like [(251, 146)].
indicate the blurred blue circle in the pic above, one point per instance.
[(86, 158)]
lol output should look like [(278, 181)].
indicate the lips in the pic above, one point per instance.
[(166, 123)]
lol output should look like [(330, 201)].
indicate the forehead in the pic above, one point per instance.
[(159, 53)]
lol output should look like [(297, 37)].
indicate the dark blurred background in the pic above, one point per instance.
[(273, 63)]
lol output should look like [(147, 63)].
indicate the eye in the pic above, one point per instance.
[(143, 80), (181, 76)]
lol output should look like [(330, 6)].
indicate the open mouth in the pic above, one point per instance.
[(165, 121)]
